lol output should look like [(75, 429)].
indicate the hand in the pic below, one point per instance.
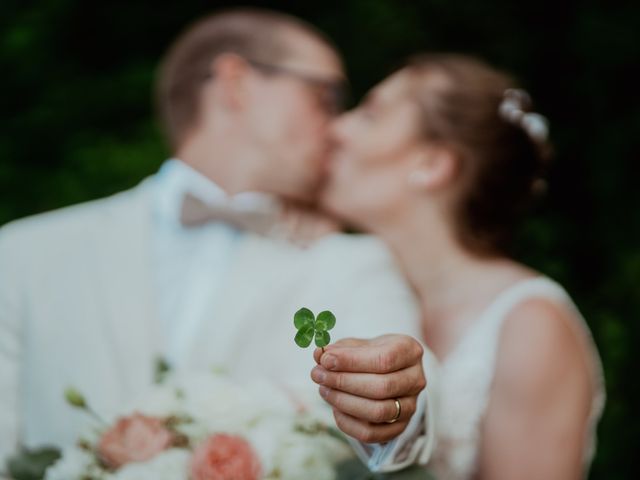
[(361, 379)]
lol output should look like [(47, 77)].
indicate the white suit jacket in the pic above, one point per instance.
[(76, 309)]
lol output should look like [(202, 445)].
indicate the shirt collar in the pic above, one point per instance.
[(175, 179)]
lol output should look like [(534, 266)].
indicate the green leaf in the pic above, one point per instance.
[(161, 370), (325, 321), (354, 469), (303, 318), (304, 337), (75, 398), (322, 338), (32, 464)]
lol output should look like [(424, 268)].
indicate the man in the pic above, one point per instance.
[(191, 264)]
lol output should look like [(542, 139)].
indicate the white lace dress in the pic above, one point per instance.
[(466, 375)]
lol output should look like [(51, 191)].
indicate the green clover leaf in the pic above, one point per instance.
[(309, 327), (305, 335), (325, 321), (303, 318), (322, 338)]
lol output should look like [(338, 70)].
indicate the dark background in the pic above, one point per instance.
[(77, 123)]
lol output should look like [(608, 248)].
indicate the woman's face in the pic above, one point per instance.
[(375, 148)]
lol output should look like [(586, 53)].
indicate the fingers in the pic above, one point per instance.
[(407, 382), (385, 354), (361, 379), (367, 432), (345, 342), (367, 410)]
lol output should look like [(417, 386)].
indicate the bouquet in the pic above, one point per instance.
[(205, 427)]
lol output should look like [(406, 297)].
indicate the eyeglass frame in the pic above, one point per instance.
[(337, 89)]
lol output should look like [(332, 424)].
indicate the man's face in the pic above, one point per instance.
[(292, 103)]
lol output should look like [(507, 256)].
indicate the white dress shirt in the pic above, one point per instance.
[(189, 263)]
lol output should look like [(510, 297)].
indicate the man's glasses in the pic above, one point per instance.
[(332, 94)]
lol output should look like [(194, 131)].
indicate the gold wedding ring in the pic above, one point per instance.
[(398, 412)]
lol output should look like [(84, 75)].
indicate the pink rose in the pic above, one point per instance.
[(225, 457), (136, 438)]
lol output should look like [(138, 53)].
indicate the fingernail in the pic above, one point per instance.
[(324, 391), (329, 361), (318, 375)]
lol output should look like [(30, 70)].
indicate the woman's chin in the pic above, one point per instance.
[(346, 209), (333, 200)]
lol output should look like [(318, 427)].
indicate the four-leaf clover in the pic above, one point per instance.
[(309, 327)]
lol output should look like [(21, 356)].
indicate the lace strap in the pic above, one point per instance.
[(538, 287)]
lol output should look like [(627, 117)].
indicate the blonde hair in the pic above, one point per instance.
[(252, 33)]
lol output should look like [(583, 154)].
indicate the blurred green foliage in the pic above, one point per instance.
[(77, 123)]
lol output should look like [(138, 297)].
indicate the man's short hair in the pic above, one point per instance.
[(254, 34)]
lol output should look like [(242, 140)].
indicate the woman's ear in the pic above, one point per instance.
[(432, 169), (230, 73)]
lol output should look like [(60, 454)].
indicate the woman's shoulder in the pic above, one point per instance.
[(544, 344), (540, 325)]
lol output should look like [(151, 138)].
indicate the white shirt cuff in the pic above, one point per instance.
[(414, 445)]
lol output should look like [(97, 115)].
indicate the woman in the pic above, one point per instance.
[(439, 161)]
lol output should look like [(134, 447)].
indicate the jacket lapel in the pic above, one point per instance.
[(126, 287)]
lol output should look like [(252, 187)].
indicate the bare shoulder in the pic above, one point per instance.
[(541, 352)]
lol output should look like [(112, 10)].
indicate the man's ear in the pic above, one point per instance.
[(230, 74), (433, 168)]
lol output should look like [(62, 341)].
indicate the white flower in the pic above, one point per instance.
[(266, 436), (158, 401), (170, 465), (73, 465), (310, 456), (287, 429), (218, 404)]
